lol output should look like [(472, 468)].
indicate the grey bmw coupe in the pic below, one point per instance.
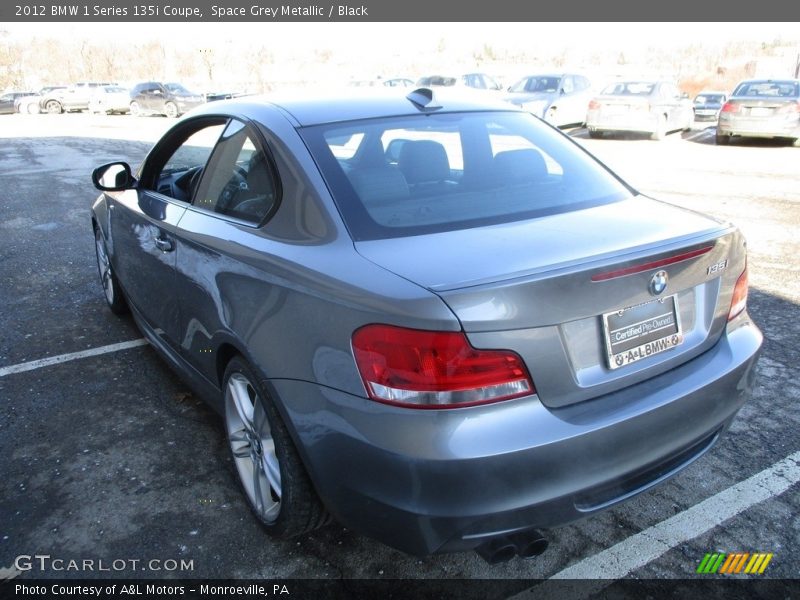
[(439, 321)]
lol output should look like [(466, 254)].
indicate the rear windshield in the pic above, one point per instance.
[(629, 88), (768, 89), (404, 176), (709, 99)]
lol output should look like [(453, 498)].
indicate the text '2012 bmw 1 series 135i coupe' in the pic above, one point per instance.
[(437, 320)]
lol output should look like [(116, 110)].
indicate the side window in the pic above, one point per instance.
[(176, 168), (567, 85), (239, 180)]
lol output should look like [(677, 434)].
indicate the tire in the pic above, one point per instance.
[(111, 287), (171, 110), (33, 108), (690, 122), (595, 135), (136, 110), (796, 143), (53, 107), (272, 476), (722, 139), (661, 129)]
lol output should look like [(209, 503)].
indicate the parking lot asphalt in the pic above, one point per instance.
[(110, 457)]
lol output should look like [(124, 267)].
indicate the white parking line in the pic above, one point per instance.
[(640, 549), (54, 360)]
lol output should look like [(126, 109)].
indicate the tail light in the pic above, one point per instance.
[(794, 107), (730, 107), (435, 369), (739, 299), (594, 105)]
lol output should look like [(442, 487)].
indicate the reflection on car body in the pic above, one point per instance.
[(399, 311)]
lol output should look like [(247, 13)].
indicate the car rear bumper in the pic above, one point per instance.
[(766, 128), (644, 122), (448, 480)]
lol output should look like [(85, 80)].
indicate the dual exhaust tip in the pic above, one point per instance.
[(524, 544)]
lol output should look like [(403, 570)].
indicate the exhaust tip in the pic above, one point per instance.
[(529, 543), (525, 544), (496, 551)]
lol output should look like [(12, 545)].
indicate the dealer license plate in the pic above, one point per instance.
[(634, 333)]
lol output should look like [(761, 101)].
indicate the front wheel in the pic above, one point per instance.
[(135, 109), (270, 471), (111, 287), (171, 110)]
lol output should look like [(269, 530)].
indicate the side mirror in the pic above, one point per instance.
[(113, 177), (561, 91)]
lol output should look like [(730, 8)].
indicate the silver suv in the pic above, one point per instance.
[(72, 98)]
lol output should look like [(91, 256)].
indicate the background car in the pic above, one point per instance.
[(646, 106), (476, 81), (170, 99), (378, 82), (707, 105), (761, 108), (73, 98), (110, 99), (31, 103), (560, 99), (8, 100), (429, 344)]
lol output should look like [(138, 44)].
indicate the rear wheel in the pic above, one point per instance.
[(270, 471), (53, 107), (33, 108), (171, 110), (595, 135), (111, 287), (661, 128), (722, 139), (136, 110)]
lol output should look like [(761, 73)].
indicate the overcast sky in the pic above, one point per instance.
[(405, 36)]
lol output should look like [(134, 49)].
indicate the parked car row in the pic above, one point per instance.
[(150, 97), (765, 108)]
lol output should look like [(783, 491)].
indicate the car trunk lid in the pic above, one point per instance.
[(550, 288)]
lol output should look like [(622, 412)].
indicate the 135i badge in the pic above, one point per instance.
[(716, 268)]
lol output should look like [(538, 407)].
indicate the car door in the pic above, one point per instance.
[(221, 287), (144, 224)]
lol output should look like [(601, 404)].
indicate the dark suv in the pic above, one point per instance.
[(170, 99), (71, 98)]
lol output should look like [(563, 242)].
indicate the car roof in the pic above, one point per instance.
[(387, 102)]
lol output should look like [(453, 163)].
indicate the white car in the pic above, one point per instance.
[(110, 99)]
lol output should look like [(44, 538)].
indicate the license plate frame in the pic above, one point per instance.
[(637, 332)]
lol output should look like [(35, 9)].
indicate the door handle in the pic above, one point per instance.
[(164, 244)]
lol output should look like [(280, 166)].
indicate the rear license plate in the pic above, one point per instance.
[(760, 111), (637, 332)]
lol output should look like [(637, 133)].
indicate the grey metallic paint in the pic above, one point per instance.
[(288, 295)]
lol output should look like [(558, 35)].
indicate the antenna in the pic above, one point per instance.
[(423, 99)]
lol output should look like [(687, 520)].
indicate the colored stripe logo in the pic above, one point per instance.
[(740, 562)]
